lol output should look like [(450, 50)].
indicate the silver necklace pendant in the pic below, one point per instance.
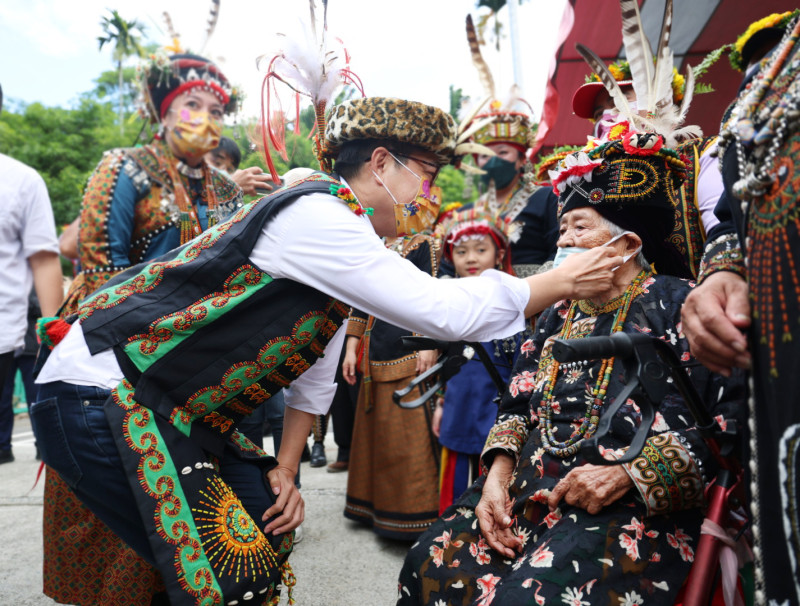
[(188, 171)]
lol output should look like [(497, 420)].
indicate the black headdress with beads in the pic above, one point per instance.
[(633, 182)]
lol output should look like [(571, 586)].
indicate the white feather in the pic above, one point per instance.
[(313, 67), (464, 123), (637, 51), (688, 93), (662, 96)]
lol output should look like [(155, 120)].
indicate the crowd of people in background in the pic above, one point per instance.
[(211, 305)]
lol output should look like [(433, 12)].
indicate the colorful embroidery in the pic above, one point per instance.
[(254, 382), (149, 277), (246, 445), (509, 434), (157, 475), (689, 235), (722, 254), (231, 538), (169, 331), (773, 225), (666, 476), (636, 179)]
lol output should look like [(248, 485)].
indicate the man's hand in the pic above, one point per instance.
[(589, 273), (289, 504), (591, 487), (494, 509), (425, 359), (714, 315), (350, 360), (581, 276), (252, 179)]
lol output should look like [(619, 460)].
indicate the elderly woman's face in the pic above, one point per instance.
[(583, 227)]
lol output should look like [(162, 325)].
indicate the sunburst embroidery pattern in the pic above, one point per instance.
[(231, 538)]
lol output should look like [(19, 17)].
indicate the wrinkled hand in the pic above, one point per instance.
[(713, 316), (591, 487), (425, 359), (494, 509), (289, 504), (253, 178), (436, 421), (349, 367), (589, 273)]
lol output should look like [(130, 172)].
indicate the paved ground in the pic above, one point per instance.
[(337, 563)]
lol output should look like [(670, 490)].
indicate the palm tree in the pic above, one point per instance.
[(125, 36)]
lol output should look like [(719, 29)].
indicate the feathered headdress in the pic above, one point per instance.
[(314, 65), (652, 79), (508, 120), (175, 46), (167, 72)]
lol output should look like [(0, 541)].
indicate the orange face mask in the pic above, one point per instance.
[(420, 214), (195, 133)]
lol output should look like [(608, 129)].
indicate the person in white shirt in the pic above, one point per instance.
[(193, 342), (28, 256)]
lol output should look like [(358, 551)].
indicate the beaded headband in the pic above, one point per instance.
[(165, 77)]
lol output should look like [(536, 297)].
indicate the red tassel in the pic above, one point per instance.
[(57, 330)]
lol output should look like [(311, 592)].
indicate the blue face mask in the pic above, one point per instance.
[(566, 251)]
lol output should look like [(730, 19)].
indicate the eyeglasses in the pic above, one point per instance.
[(436, 167)]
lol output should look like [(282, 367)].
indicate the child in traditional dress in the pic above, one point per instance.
[(474, 242)]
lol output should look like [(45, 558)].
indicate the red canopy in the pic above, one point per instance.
[(699, 26)]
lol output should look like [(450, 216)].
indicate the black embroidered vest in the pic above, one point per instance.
[(203, 335)]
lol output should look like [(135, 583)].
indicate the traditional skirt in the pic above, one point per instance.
[(393, 482), (84, 562)]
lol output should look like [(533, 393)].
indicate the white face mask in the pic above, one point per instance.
[(389, 191), (566, 251)]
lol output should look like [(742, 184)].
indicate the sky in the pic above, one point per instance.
[(413, 49)]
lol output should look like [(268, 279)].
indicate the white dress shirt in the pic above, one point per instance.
[(27, 228), (320, 242)]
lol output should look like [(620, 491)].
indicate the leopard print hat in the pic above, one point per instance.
[(408, 122)]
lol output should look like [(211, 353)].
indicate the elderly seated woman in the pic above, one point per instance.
[(543, 526)]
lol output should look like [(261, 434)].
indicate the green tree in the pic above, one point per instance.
[(63, 145), (108, 88), (452, 181), (125, 37)]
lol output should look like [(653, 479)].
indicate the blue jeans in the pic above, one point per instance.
[(75, 439), (24, 364)]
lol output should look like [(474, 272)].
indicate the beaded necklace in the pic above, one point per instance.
[(756, 176), (177, 201), (591, 418)]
